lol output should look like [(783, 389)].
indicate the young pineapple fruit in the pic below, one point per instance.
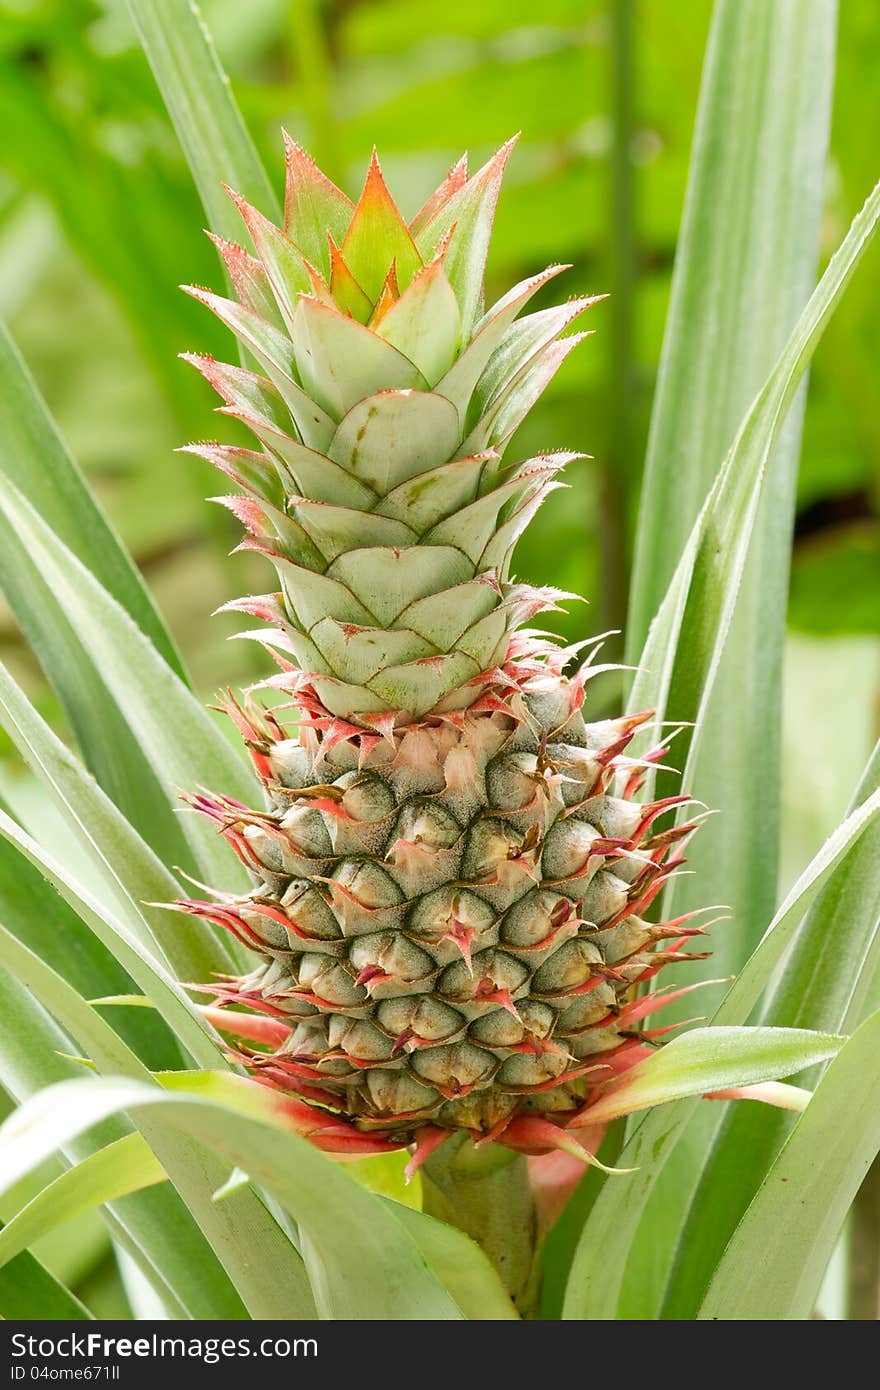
[(450, 872)]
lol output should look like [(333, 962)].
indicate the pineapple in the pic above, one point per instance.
[(451, 871)]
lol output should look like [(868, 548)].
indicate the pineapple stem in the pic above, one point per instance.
[(486, 1193)]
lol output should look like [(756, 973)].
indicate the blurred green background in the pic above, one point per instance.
[(99, 223)]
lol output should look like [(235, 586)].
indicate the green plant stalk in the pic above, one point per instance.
[(486, 1193)]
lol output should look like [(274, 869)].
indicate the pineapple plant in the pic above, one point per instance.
[(459, 883), (452, 871)]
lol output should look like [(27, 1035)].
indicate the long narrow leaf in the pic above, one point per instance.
[(128, 1165), (131, 869), (28, 1291), (744, 269), (694, 619), (777, 1257), (34, 458), (459, 1264), (600, 1262), (686, 640), (85, 631), (745, 261), (745, 264), (104, 735), (154, 1226), (823, 983), (147, 972), (235, 1227), (362, 1263), (34, 913), (714, 1059), (197, 94)]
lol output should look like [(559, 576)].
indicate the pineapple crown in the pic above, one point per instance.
[(385, 399)]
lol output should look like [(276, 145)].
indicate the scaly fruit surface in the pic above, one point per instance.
[(451, 871)]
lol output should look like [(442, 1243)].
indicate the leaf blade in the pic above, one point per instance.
[(125, 1166), (776, 1259), (28, 1290), (235, 1227), (826, 975), (606, 1239), (35, 460), (378, 1265), (199, 100), (128, 864), (154, 1227), (118, 669)]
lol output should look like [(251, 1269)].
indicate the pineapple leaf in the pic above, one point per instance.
[(377, 237), (387, 438), (230, 1228), (361, 652), (315, 475), (390, 580), (745, 264), (420, 685), (713, 1059), (313, 207), (147, 972), (459, 382), (32, 912), (362, 1263), (686, 641), (455, 179), (424, 323), (473, 527), (423, 501), (165, 726), (459, 1264), (127, 1165), (444, 617), (508, 409), (26, 1284), (337, 530), (155, 1228), (249, 279), (467, 217), (100, 726), (247, 395), (34, 459), (823, 983), (284, 265), (776, 1259), (520, 346), (606, 1239), (340, 361), (131, 869), (199, 100), (316, 595), (345, 291)]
